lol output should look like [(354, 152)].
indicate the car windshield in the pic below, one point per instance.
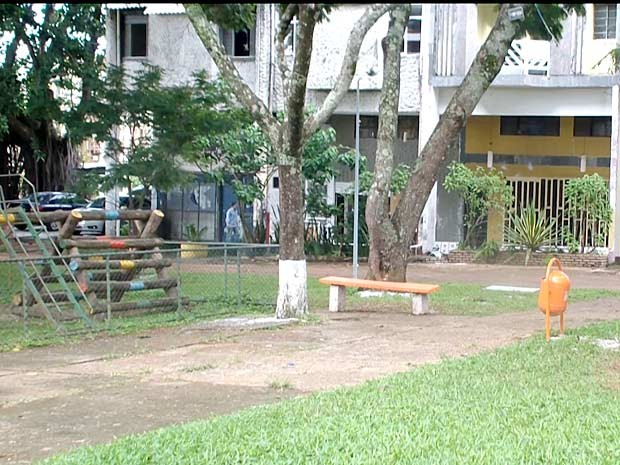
[(97, 203)]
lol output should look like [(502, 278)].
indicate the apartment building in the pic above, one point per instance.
[(550, 115)]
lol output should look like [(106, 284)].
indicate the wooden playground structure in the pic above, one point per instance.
[(80, 277)]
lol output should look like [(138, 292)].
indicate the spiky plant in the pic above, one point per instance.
[(530, 230)]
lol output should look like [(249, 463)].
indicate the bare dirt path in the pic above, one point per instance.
[(57, 398)]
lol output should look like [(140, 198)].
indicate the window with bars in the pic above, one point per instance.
[(414, 29), (604, 20), (369, 127)]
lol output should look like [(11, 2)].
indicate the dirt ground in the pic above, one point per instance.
[(54, 399)]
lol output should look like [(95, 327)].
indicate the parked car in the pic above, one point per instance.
[(48, 202), (94, 227), (97, 227), (62, 201)]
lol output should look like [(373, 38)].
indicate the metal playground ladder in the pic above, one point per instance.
[(49, 286)]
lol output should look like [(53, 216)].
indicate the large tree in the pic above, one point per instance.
[(288, 137), (49, 71), (391, 235)]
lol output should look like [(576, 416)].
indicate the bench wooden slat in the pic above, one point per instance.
[(412, 288)]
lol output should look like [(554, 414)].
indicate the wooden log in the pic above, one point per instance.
[(112, 244), (113, 215), (69, 225), (122, 264), (160, 304), (132, 285), (152, 224), (59, 296)]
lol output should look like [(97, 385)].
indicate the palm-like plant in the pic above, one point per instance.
[(530, 230)]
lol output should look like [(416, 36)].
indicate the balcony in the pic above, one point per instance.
[(527, 57)]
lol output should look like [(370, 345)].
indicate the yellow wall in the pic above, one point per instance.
[(482, 135), (487, 15)]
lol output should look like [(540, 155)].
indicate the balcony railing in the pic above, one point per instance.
[(527, 57)]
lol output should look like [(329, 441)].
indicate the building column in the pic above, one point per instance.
[(614, 181), (429, 117)]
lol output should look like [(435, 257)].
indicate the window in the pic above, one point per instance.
[(597, 126), (238, 43), (134, 36), (530, 126), (276, 182), (414, 29), (369, 126), (605, 21), (407, 128)]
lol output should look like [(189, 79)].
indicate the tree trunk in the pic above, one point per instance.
[(486, 65), (288, 138), (386, 260), (293, 290)]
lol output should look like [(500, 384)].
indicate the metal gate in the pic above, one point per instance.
[(547, 195)]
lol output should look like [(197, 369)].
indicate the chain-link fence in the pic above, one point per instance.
[(117, 289)]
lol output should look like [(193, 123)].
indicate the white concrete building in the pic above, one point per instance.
[(550, 115)]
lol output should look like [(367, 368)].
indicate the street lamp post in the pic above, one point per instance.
[(357, 182)]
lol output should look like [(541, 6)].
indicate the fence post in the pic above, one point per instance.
[(225, 272), (179, 297), (238, 276), (108, 290)]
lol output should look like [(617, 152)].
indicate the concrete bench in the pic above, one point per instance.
[(337, 291)]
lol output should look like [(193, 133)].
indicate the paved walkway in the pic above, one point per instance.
[(57, 398)]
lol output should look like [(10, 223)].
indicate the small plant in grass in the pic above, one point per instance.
[(281, 385), (530, 230), (193, 369)]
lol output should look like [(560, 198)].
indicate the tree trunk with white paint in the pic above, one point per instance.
[(384, 261), (288, 138)]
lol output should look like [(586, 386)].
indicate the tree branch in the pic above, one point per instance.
[(349, 63), (243, 93), (11, 51), (44, 34), (283, 29), (308, 17)]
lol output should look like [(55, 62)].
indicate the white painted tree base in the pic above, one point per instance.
[(292, 289)]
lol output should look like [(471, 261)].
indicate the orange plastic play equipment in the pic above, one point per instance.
[(553, 295)]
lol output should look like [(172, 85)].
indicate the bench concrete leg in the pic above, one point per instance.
[(420, 304), (337, 298)]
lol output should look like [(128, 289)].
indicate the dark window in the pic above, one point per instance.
[(134, 35), (276, 182), (414, 30), (596, 126), (138, 40), (530, 126), (408, 127), (238, 43), (369, 126), (605, 21), (98, 203)]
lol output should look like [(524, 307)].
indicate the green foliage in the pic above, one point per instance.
[(193, 234), (85, 184), (587, 202), (488, 251), (481, 190), (530, 230), (235, 16), (160, 136), (545, 21)]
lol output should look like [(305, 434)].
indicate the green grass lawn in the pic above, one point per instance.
[(530, 403), (217, 296)]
